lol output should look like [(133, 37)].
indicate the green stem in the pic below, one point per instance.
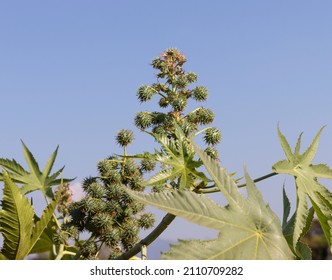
[(205, 191), (63, 252), (144, 253), (60, 252), (260, 179), (201, 131)]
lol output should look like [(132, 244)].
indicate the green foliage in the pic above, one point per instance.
[(177, 158), (35, 179), (20, 228), (112, 211), (248, 228), (114, 218), (305, 174), (302, 251)]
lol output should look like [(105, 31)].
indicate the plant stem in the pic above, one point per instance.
[(168, 218), (260, 179), (242, 185)]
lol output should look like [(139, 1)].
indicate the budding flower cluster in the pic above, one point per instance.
[(174, 92)]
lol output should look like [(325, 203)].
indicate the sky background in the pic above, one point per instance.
[(70, 70)]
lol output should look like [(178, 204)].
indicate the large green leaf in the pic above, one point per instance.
[(17, 223), (306, 174), (16, 220), (302, 250), (35, 179), (248, 228), (177, 160)]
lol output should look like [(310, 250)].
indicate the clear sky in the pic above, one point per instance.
[(69, 72)]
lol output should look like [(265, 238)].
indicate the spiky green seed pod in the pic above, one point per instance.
[(106, 166), (159, 130), (191, 77), (103, 166), (181, 82), (87, 182), (93, 205), (131, 228), (212, 136), (212, 152), (129, 242), (156, 62), (158, 118), (111, 237), (143, 120), (204, 116), (137, 207), (124, 137), (95, 190), (200, 93), (127, 212), (188, 127), (77, 213), (135, 184), (163, 102), (114, 191), (148, 165), (113, 162), (60, 237), (126, 199), (145, 93), (130, 168), (89, 248), (102, 221), (113, 177), (179, 105), (114, 208), (146, 221)]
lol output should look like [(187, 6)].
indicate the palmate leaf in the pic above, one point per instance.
[(17, 223), (248, 228), (16, 220), (302, 250), (305, 173), (35, 179), (178, 156)]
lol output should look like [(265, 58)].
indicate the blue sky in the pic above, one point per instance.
[(70, 70)]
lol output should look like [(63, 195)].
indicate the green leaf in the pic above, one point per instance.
[(177, 155), (286, 209), (35, 179), (16, 220), (44, 243), (12, 165), (248, 228), (41, 224), (32, 163), (17, 223), (306, 174), (302, 251), (2, 257), (49, 165)]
